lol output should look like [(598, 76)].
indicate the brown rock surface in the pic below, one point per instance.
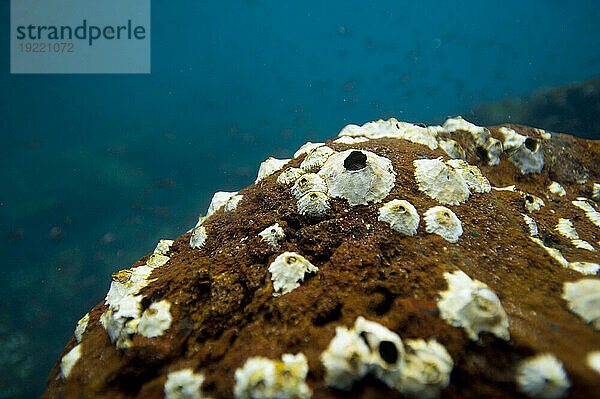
[(224, 312)]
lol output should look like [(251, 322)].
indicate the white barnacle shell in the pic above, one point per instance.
[(69, 360), (350, 140), (306, 148), (232, 203), (198, 237), (452, 148), (316, 158), (471, 175), (345, 359), (270, 166), (121, 319), (427, 371), (590, 212), (532, 203), (81, 326), (542, 376), (470, 304), (289, 175), (443, 222), (265, 378), (596, 191), (386, 358), (273, 235), (307, 183), (481, 137), (314, 204), (531, 224), (184, 384), (155, 320), (440, 182), (163, 247), (556, 188), (219, 199), (157, 260), (287, 270), (401, 215), (524, 152), (593, 361), (565, 228), (358, 176), (583, 298)]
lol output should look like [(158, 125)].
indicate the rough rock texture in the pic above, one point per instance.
[(224, 311)]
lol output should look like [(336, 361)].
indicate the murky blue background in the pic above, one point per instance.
[(95, 169)]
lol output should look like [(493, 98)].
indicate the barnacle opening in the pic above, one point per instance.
[(532, 144), (388, 352), (355, 161)]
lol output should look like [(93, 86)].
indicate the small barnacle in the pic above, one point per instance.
[(545, 135), (471, 175), (265, 378), (472, 305), (532, 203), (316, 158), (219, 199), (350, 140), (307, 183), (289, 175), (157, 260), (440, 182), (121, 319), (583, 297), (184, 384), (314, 204), (69, 360), (270, 166), (590, 212), (443, 222), (358, 176), (585, 267), (401, 215), (452, 148), (345, 359), (232, 203), (488, 148), (593, 361), (386, 358), (556, 188), (427, 371), (155, 320), (306, 148), (565, 228), (287, 270), (198, 237), (81, 326), (542, 376), (273, 236), (163, 247), (533, 229), (524, 152), (596, 191)]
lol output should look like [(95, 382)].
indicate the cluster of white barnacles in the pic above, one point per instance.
[(288, 270), (449, 182), (470, 304), (261, 377), (419, 370), (184, 384), (124, 316)]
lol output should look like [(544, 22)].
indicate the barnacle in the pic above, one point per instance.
[(81, 326), (289, 175), (316, 158), (401, 215), (532, 203), (314, 204), (163, 247), (350, 140), (583, 298), (306, 148), (392, 128), (344, 359), (470, 304), (556, 188), (525, 152), (198, 237), (488, 147), (590, 212), (270, 166), (357, 176), (443, 222), (273, 236), (184, 384), (531, 224), (265, 378), (69, 360), (542, 376), (287, 270), (428, 368), (440, 182), (452, 148), (232, 203), (219, 199), (593, 361), (565, 227), (307, 183), (155, 320), (471, 175)]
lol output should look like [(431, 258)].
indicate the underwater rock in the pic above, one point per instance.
[(366, 307)]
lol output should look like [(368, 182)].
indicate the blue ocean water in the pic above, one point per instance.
[(95, 169)]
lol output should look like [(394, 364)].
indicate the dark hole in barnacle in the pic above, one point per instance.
[(303, 180), (529, 199), (531, 144), (482, 153), (355, 161), (388, 352)]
